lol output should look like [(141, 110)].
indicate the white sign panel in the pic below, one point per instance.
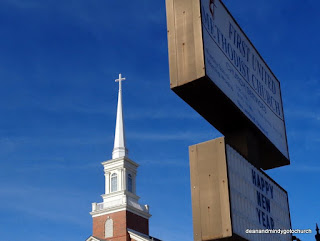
[(257, 203), (234, 65)]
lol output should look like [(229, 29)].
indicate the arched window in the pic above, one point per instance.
[(108, 229), (129, 183), (114, 182)]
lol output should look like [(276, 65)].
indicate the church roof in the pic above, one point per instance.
[(92, 238), (140, 236)]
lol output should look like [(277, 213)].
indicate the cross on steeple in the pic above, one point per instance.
[(120, 80)]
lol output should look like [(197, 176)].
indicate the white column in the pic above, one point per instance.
[(134, 183), (94, 207), (124, 179), (107, 182), (121, 180)]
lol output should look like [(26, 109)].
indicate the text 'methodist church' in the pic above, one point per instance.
[(120, 217)]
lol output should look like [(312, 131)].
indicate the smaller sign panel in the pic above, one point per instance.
[(257, 202), (233, 199)]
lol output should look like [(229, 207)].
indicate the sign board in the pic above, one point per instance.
[(216, 69), (233, 199)]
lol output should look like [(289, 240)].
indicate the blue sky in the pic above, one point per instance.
[(58, 100)]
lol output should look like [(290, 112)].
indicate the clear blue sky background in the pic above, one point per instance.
[(58, 62)]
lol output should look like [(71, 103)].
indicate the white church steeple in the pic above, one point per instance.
[(120, 203), (119, 149)]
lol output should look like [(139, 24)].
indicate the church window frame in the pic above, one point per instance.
[(114, 182), (130, 183)]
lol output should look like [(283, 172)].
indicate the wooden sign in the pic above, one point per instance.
[(215, 68), (233, 199)]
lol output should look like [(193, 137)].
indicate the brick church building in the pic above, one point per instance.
[(120, 217)]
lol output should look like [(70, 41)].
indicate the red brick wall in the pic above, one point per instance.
[(121, 221), (119, 226)]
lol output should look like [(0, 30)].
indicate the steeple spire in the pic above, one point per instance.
[(119, 149)]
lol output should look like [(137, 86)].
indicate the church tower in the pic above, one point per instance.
[(120, 217)]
